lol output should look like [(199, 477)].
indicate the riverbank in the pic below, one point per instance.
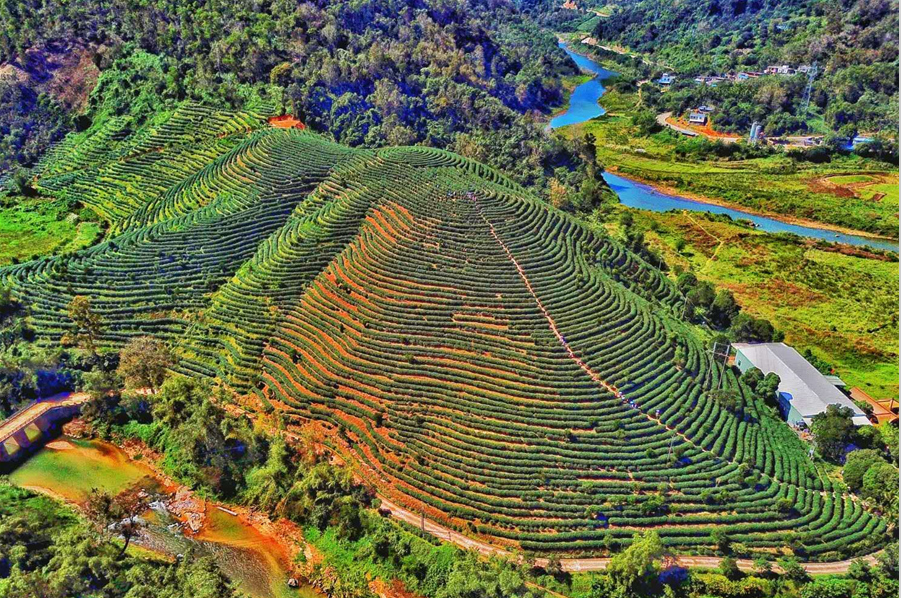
[(256, 552), (279, 542), (785, 218), (775, 186), (570, 83)]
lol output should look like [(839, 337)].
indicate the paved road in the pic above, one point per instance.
[(663, 121), (21, 419), (589, 564)]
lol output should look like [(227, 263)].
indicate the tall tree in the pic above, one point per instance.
[(86, 324), (121, 513), (833, 430), (637, 566), (144, 361)]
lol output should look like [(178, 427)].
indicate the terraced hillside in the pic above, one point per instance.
[(481, 356)]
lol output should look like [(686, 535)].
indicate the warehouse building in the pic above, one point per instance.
[(803, 391)]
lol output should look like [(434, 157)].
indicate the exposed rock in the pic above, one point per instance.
[(77, 428)]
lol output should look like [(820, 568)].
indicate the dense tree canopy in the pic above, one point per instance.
[(853, 42), (464, 75)]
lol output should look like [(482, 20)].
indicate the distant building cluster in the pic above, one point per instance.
[(714, 80)]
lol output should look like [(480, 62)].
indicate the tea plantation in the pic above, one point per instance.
[(481, 356)]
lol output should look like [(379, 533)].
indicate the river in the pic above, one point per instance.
[(68, 469), (644, 197), (583, 102), (584, 106)]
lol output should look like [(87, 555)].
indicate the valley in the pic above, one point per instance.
[(383, 318)]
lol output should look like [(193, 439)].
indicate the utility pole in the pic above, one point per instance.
[(727, 348), (811, 75), (685, 308)]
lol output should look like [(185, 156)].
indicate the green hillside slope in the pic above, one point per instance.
[(853, 42), (480, 355)]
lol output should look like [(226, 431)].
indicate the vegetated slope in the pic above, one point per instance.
[(854, 42), (475, 77), (466, 341)]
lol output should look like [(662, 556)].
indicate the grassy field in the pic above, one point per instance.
[(39, 227), (849, 192), (843, 307)]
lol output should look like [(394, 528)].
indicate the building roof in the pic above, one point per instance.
[(835, 381), (810, 391)]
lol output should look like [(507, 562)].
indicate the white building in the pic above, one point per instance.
[(803, 391)]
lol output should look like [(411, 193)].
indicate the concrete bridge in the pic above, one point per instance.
[(32, 425)]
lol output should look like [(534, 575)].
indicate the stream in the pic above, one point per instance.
[(584, 106), (69, 468)]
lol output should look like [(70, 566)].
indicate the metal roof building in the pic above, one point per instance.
[(803, 390)]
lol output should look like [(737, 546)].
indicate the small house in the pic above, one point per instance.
[(782, 69), (667, 79), (697, 118)]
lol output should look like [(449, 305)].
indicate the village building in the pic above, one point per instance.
[(697, 118), (667, 79), (783, 69), (803, 391)]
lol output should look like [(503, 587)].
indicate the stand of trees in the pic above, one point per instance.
[(470, 77), (48, 552), (720, 310)]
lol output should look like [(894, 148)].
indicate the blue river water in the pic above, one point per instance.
[(584, 106), (583, 103), (644, 197)]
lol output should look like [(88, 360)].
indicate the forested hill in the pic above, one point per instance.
[(854, 42), (465, 75)]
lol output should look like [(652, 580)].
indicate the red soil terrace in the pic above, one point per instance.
[(286, 121)]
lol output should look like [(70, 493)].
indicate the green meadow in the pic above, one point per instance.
[(842, 306), (41, 226)]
